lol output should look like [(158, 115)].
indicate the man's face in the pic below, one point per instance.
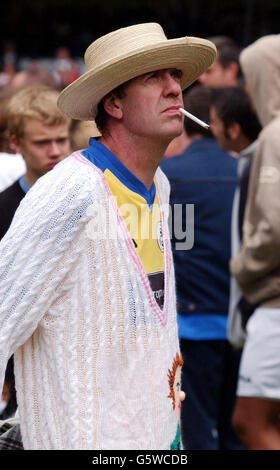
[(217, 76), (150, 105), (43, 146), (219, 130)]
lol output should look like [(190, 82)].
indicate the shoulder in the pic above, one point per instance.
[(271, 131), (9, 202), (71, 178), (171, 165), (60, 199), (12, 192), (75, 167)]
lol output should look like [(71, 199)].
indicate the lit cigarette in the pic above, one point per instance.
[(195, 119)]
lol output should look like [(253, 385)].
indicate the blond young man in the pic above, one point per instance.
[(39, 132), (93, 318)]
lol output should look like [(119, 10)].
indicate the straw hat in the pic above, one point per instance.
[(127, 53)]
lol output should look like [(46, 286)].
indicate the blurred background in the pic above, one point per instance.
[(56, 32)]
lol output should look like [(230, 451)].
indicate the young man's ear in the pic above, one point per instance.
[(234, 130), (112, 106), (15, 144), (233, 69)]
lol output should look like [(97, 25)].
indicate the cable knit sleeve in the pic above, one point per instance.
[(45, 224)]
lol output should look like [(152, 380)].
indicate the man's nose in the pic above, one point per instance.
[(202, 78), (172, 85), (54, 149)]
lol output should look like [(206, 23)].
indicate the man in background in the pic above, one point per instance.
[(225, 70), (256, 267), (236, 127), (205, 176)]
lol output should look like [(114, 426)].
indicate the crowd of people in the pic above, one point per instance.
[(57, 71), (134, 342)]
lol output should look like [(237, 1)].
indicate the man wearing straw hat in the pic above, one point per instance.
[(92, 317)]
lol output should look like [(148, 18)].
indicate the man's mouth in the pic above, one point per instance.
[(173, 109), (52, 164)]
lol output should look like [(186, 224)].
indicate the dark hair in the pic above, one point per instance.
[(222, 41), (233, 105), (227, 51), (102, 116), (228, 54), (197, 101)]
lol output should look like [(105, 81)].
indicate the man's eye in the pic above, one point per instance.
[(41, 144), (177, 74)]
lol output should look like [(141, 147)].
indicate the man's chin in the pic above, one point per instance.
[(175, 133)]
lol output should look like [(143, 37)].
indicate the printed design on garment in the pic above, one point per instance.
[(174, 380), (160, 236), (144, 225), (157, 286)]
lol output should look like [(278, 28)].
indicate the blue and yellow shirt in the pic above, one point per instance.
[(140, 210)]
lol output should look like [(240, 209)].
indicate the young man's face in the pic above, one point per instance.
[(43, 146), (216, 76), (150, 105), (219, 130)]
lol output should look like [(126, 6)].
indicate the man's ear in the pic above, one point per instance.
[(113, 106), (15, 144), (234, 130), (233, 68)]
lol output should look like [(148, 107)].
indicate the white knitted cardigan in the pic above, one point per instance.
[(92, 347)]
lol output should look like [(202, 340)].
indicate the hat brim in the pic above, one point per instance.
[(190, 55)]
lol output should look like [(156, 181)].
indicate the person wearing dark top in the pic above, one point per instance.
[(9, 202), (40, 132), (236, 127), (205, 177)]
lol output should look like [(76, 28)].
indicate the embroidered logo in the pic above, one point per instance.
[(160, 236), (174, 380)]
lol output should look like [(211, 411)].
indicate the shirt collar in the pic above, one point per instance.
[(101, 157), (24, 186)]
